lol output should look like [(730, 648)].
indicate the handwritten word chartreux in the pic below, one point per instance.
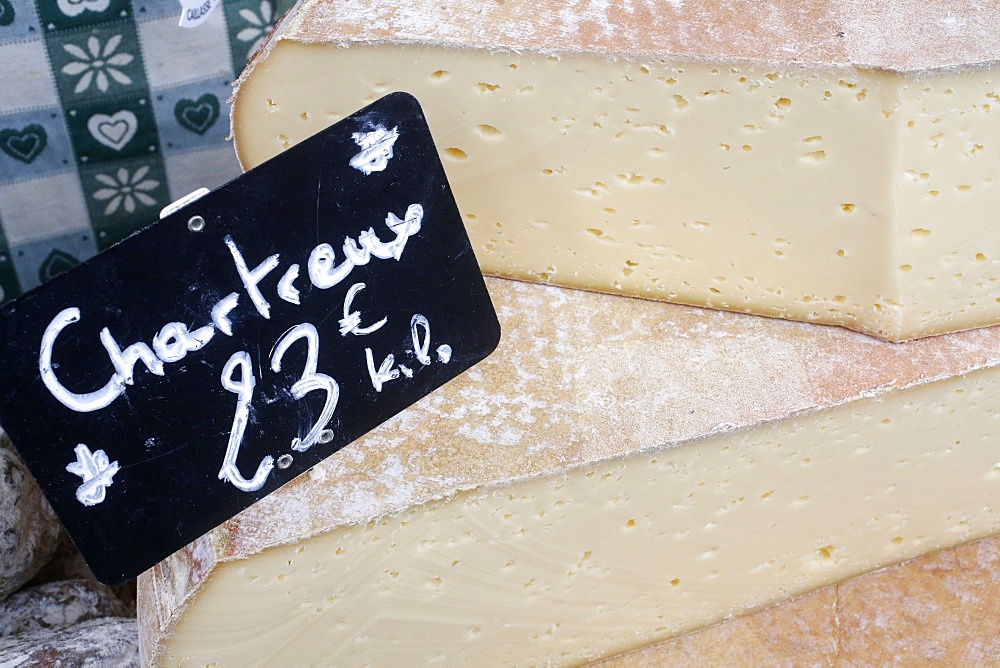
[(176, 340)]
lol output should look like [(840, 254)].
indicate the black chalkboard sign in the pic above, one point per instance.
[(160, 388)]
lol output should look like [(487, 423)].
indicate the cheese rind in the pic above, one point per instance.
[(618, 472), (820, 184), (940, 609), (904, 36)]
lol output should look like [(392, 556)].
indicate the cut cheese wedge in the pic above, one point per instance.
[(619, 472), (834, 161), (937, 610)]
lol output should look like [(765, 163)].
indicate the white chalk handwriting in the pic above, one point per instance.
[(97, 473), (176, 340), (376, 149)]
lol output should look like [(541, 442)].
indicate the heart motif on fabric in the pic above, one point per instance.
[(197, 115), (113, 131), (56, 263), (25, 144), (6, 13), (76, 7)]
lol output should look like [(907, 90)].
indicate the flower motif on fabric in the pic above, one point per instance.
[(261, 25), (76, 7), (97, 65), (126, 191)]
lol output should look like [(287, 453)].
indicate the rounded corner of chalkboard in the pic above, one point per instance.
[(494, 340), (404, 101), (405, 96), (115, 579)]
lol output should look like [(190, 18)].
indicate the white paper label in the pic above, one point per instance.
[(196, 12)]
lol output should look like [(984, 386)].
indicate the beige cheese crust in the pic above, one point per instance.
[(940, 609), (906, 35), (819, 161), (619, 472)]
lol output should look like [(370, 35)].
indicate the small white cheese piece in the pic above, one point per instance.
[(619, 472), (834, 161)]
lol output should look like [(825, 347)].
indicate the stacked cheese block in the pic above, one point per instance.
[(825, 160), (622, 471), (618, 472)]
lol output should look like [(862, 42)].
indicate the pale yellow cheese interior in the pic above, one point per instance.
[(748, 459), (860, 197), (604, 558)]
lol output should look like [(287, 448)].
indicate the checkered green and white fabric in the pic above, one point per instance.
[(108, 112)]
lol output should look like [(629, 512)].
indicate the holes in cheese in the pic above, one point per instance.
[(785, 146)]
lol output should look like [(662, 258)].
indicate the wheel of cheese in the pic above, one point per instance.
[(618, 473), (829, 161)]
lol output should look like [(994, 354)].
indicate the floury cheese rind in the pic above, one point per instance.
[(832, 161), (620, 471)]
